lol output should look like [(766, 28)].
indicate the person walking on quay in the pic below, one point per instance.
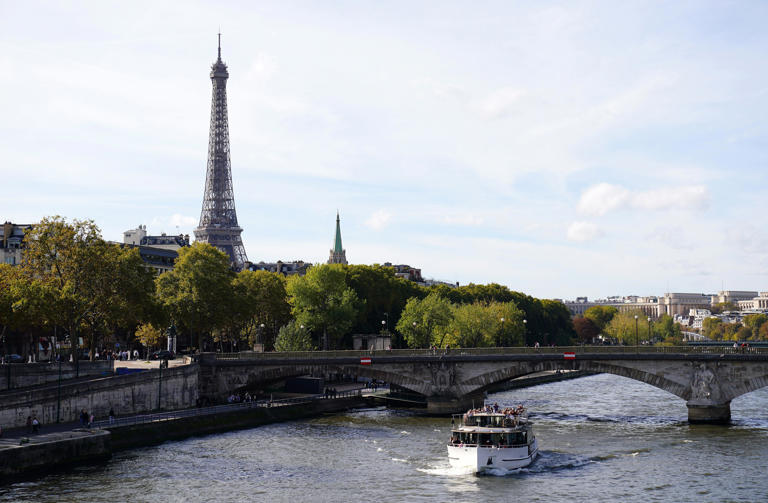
[(111, 415), (29, 424), (83, 417), (35, 425)]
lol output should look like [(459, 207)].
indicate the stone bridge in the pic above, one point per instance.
[(707, 378)]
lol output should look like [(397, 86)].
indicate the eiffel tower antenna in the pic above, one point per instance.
[(218, 218)]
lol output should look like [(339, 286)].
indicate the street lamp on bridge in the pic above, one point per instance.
[(650, 337), (637, 340), (501, 334)]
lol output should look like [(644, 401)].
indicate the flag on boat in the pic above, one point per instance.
[(365, 360), (569, 356)]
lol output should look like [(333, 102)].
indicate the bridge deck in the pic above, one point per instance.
[(580, 352)]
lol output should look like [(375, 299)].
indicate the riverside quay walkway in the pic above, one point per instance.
[(706, 377)]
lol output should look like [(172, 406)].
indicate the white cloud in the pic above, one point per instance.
[(500, 102), (378, 220), (683, 198), (583, 231), (468, 220), (182, 220), (602, 198), (605, 197)]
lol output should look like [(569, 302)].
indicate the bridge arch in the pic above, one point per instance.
[(488, 380)]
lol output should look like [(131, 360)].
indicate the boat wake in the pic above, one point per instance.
[(546, 462)]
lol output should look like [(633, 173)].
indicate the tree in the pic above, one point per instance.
[(123, 290), (721, 307), (293, 337), (18, 310), (627, 329), (149, 336), (322, 302), (712, 328), (601, 315), (383, 293), (665, 327), (586, 329), (763, 333), (73, 274), (754, 322), (260, 305), (471, 326), (479, 325), (198, 290), (424, 322), (557, 324)]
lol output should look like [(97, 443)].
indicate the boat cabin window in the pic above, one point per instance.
[(468, 438)]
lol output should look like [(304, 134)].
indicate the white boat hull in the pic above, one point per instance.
[(482, 458)]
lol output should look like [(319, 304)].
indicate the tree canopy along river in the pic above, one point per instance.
[(602, 438)]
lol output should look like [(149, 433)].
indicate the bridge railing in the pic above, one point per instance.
[(604, 349)]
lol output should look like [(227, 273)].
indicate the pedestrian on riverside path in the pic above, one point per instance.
[(35, 425), (29, 424), (111, 415)]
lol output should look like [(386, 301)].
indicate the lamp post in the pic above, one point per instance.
[(385, 322), (501, 333), (650, 337), (637, 341), (525, 331)]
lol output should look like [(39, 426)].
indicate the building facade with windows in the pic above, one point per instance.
[(12, 242)]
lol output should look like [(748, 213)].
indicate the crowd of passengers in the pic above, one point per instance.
[(511, 414)]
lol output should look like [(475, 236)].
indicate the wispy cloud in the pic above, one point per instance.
[(604, 198), (379, 220), (583, 231)]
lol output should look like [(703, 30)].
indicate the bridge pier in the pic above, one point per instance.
[(709, 413), (443, 405)]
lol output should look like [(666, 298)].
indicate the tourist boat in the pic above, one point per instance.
[(492, 438)]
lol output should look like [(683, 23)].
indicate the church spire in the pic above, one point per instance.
[(338, 254)]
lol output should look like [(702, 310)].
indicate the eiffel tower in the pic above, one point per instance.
[(218, 219)]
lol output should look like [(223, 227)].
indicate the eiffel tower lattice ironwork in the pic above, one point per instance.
[(218, 219)]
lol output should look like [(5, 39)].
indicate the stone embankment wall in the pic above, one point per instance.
[(139, 435), (34, 374), (55, 450), (51, 451), (126, 394)]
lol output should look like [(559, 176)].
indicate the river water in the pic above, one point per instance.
[(602, 438)]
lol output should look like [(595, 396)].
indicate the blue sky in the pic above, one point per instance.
[(561, 149)]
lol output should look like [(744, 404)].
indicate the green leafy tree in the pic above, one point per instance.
[(557, 323), (261, 304), (623, 327), (754, 322), (293, 337), (77, 280), (511, 329), (322, 302), (712, 328), (472, 326), (480, 325), (198, 289), (383, 293), (601, 315), (722, 307), (424, 322)]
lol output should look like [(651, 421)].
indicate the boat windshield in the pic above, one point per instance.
[(500, 439)]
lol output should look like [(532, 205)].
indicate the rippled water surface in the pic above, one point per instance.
[(602, 438)]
